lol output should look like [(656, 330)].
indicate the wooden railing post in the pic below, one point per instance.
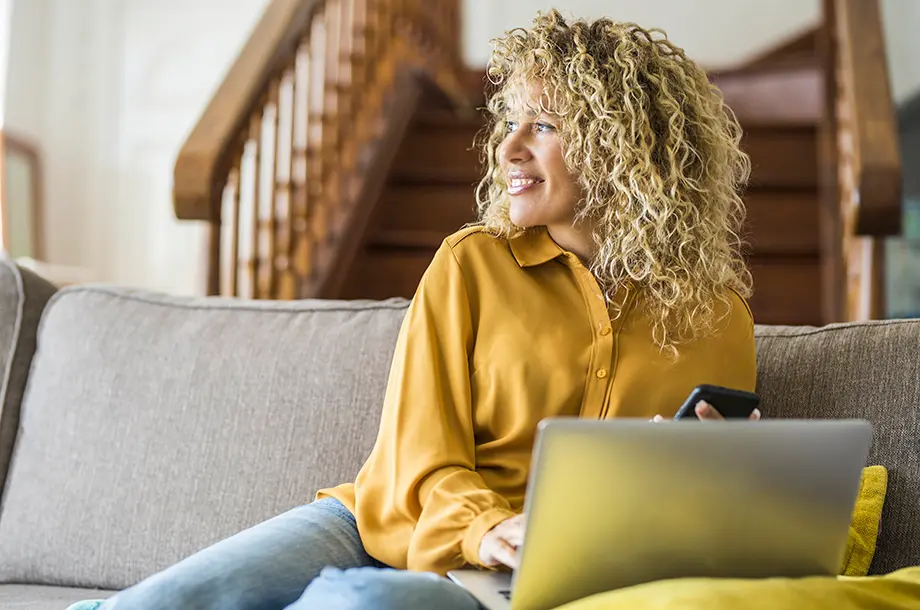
[(860, 158)]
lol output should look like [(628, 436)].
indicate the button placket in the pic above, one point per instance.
[(602, 335)]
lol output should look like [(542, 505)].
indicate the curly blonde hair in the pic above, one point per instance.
[(655, 151)]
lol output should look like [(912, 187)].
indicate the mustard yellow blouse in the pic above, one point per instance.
[(501, 334)]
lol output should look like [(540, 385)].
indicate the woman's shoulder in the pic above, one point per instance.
[(473, 235), (474, 243)]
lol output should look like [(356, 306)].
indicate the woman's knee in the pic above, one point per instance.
[(383, 589)]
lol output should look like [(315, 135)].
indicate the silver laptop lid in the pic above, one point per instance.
[(618, 503)]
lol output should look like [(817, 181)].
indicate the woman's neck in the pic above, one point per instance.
[(575, 239)]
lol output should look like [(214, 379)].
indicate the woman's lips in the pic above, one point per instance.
[(516, 186)]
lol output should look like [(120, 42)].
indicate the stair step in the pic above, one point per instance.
[(433, 153), (448, 119), (782, 222), (778, 221), (790, 92), (787, 289), (411, 240), (783, 156), (437, 209)]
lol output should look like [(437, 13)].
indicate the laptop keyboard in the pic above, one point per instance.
[(506, 593)]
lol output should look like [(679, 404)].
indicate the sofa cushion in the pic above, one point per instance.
[(861, 370), (36, 597), (23, 296), (154, 426)]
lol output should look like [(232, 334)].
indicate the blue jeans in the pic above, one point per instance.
[(309, 558)]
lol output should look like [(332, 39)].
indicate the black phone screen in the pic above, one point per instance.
[(732, 404)]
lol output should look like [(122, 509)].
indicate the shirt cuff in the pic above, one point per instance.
[(478, 528)]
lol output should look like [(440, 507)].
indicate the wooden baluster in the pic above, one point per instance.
[(229, 234), (359, 49), (268, 281), (384, 39), (374, 14), (370, 45), (360, 83), (301, 249), (347, 117), (316, 219), (284, 287), (281, 210), (248, 225), (331, 135), (256, 133)]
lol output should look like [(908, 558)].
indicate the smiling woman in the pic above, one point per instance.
[(604, 281), (641, 158), (542, 189)]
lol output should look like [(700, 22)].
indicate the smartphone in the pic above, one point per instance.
[(732, 404)]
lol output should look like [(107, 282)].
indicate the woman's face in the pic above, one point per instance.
[(541, 189)]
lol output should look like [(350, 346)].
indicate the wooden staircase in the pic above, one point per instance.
[(430, 194), (430, 190), (811, 260)]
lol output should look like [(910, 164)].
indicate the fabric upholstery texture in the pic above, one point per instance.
[(154, 426), (37, 597), (861, 370), (23, 296)]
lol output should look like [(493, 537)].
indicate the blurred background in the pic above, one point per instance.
[(321, 148)]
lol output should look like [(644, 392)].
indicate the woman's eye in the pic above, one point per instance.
[(510, 126), (545, 127)]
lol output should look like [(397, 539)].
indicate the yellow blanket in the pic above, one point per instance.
[(896, 591)]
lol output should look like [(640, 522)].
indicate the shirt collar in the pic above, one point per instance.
[(534, 247)]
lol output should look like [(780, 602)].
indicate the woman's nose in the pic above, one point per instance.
[(514, 149)]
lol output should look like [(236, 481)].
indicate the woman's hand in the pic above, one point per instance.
[(706, 412), (501, 543)]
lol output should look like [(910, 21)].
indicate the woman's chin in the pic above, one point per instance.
[(522, 218)]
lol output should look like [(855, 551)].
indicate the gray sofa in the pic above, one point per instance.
[(145, 427)]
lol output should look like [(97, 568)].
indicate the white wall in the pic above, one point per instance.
[(6, 13), (715, 33), (901, 18), (109, 89)]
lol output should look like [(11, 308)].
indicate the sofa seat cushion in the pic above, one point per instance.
[(36, 597), (154, 426)]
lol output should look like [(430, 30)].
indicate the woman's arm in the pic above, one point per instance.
[(420, 502)]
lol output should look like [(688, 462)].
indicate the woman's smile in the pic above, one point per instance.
[(518, 182)]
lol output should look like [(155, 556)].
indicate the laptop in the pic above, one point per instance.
[(613, 504)]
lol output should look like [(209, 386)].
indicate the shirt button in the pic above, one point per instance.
[(605, 331), (601, 373)]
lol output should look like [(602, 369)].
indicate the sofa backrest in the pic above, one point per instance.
[(23, 296), (868, 370), (153, 426)]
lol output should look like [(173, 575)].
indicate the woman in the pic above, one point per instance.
[(605, 280)]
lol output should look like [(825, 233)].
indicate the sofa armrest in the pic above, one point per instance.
[(23, 296)]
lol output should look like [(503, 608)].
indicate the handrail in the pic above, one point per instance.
[(288, 158), (861, 175), (205, 156), (867, 92)]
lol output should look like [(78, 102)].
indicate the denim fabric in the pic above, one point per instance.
[(310, 557)]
